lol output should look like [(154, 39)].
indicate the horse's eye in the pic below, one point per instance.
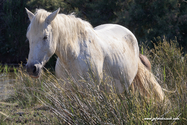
[(45, 37)]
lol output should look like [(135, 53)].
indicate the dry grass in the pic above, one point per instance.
[(77, 105)]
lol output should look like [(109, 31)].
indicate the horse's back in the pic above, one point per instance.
[(114, 34)]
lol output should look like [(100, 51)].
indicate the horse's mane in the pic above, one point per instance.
[(70, 29)]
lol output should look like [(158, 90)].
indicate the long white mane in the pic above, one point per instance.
[(70, 28)]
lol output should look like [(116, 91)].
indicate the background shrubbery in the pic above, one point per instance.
[(146, 19)]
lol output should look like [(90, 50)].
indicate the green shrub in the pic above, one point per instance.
[(13, 28), (146, 19)]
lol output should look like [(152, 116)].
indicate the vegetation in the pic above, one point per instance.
[(146, 19), (46, 100), (13, 47)]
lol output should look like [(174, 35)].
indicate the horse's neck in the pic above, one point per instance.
[(81, 34), (80, 44)]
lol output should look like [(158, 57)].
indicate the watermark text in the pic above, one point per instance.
[(161, 119)]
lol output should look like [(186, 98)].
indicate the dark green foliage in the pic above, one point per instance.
[(49, 5), (95, 11), (13, 27), (150, 19), (146, 19)]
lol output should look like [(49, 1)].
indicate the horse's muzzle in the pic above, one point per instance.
[(34, 70)]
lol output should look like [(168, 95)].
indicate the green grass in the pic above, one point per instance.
[(47, 100)]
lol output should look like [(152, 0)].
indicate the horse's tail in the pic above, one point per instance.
[(146, 84), (145, 61)]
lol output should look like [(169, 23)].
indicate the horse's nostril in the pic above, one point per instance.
[(34, 69)]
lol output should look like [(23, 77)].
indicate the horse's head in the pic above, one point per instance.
[(41, 40)]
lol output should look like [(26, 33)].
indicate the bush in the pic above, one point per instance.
[(13, 28), (146, 19), (150, 19)]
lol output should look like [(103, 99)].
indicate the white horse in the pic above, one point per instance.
[(81, 48)]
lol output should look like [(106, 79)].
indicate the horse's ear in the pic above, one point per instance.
[(51, 17), (30, 14)]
